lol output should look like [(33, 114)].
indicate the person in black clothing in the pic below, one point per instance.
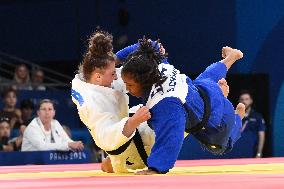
[(253, 128)]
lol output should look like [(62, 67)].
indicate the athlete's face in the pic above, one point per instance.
[(108, 75), (133, 87), (104, 77)]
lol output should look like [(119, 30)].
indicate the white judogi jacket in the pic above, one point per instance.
[(175, 86), (37, 139), (105, 111)]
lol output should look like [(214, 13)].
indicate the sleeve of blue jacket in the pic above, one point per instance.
[(235, 133), (236, 130), (123, 53), (168, 121)]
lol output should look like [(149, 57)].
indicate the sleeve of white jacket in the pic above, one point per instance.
[(31, 135), (104, 127)]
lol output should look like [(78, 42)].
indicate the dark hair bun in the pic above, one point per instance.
[(100, 44), (152, 49), (149, 47)]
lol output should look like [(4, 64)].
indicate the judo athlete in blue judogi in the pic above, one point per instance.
[(179, 104)]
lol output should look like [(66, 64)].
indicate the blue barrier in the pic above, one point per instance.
[(44, 157)]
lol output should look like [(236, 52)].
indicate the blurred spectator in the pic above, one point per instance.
[(37, 80), (10, 111), (27, 108), (253, 125), (5, 132), (22, 78), (16, 142), (46, 133)]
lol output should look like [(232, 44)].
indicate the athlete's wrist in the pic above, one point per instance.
[(129, 128)]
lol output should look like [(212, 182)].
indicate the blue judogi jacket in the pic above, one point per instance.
[(168, 114)]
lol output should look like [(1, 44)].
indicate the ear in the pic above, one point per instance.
[(97, 75)]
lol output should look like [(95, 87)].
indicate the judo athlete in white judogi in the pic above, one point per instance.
[(103, 107)]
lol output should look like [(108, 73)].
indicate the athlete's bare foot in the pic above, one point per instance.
[(106, 165), (224, 87), (225, 51), (230, 56), (241, 110)]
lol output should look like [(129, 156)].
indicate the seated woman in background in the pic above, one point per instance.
[(37, 80), (22, 78), (45, 133), (10, 111)]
